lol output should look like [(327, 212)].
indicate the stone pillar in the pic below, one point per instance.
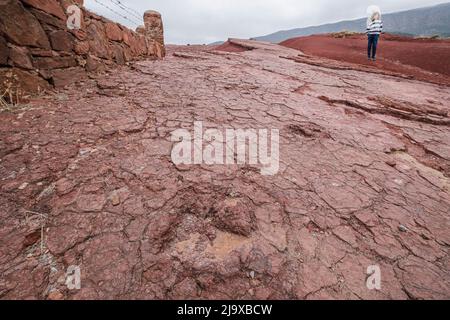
[(154, 30), (140, 30)]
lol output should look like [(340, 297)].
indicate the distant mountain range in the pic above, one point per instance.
[(428, 21), (217, 43)]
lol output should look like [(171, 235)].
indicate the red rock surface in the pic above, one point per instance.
[(423, 59), (231, 47), (364, 180)]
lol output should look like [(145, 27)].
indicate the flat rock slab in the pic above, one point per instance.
[(87, 180)]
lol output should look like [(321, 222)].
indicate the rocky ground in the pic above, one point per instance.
[(87, 180), (421, 59)]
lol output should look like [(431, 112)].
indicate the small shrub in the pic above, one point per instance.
[(10, 92)]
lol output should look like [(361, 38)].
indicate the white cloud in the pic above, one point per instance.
[(205, 21)]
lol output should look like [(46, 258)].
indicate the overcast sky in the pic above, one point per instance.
[(206, 21)]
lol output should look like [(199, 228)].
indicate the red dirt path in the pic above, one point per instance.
[(424, 59)]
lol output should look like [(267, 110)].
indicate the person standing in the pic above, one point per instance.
[(374, 29)]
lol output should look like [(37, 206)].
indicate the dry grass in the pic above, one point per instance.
[(10, 94), (344, 34), (432, 37), (37, 219), (7, 100)]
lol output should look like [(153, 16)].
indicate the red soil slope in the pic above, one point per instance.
[(423, 59), (230, 47)]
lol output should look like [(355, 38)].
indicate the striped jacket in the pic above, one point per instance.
[(375, 27)]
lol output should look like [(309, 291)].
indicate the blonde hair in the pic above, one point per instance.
[(376, 16)]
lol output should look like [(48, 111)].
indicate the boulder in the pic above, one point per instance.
[(81, 47), (13, 18), (46, 74), (141, 45), (48, 22), (137, 44), (140, 30), (93, 64), (64, 77), (54, 62), (127, 37), (4, 51), (50, 6), (117, 54), (113, 32), (97, 39), (80, 34), (62, 41), (24, 82), (20, 57), (127, 54), (37, 52)]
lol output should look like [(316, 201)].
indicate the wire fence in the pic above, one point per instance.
[(120, 9), (128, 9)]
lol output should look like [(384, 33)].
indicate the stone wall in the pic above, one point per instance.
[(39, 52)]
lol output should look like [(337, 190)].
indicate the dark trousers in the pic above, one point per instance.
[(372, 47)]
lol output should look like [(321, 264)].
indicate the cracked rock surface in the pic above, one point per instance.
[(87, 180)]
